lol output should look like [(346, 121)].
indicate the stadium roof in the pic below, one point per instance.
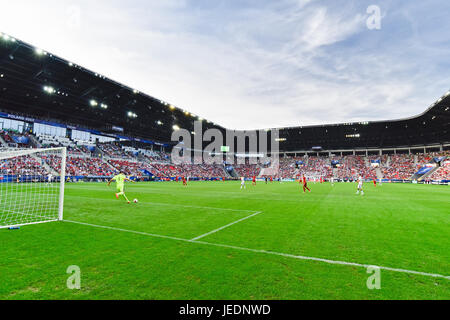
[(38, 84), (430, 127)]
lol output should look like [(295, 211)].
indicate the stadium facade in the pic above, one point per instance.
[(39, 87)]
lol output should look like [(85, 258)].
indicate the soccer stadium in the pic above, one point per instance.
[(107, 192)]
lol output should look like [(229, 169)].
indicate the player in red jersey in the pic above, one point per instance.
[(271, 179), (184, 181), (254, 181), (305, 184), (375, 182), (223, 179)]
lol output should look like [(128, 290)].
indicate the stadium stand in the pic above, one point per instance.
[(81, 166), (14, 138), (247, 169), (114, 151), (95, 147), (24, 166), (442, 174), (140, 162)]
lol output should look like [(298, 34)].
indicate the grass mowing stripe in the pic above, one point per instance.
[(224, 227), (336, 262), (167, 204), (248, 195)]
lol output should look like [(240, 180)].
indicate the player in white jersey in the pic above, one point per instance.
[(360, 186), (242, 183), (49, 178), (332, 181)]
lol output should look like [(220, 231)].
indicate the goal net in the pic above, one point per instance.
[(31, 186)]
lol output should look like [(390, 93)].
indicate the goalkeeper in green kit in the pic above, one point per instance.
[(120, 184)]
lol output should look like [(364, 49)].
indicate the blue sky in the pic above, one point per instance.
[(255, 63)]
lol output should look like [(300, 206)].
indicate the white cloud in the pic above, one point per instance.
[(277, 64)]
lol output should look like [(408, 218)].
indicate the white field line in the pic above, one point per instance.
[(27, 224), (224, 227), (125, 230), (335, 262), (166, 204), (249, 195)]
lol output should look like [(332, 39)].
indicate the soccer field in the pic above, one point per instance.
[(211, 240)]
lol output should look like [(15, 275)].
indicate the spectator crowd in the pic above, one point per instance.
[(113, 158)]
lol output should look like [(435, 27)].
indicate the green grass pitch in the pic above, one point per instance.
[(146, 252)]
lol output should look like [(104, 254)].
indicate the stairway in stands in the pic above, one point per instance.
[(272, 170), (367, 162), (3, 143), (423, 176), (379, 173), (34, 141), (335, 172), (233, 173)]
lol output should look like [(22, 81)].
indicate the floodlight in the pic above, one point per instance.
[(40, 52), (49, 90)]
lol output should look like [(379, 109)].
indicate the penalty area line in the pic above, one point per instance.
[(126, 230), (166, 204), (226, 226), (286, 255)]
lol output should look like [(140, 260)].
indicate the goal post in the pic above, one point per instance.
[(31, 186)]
